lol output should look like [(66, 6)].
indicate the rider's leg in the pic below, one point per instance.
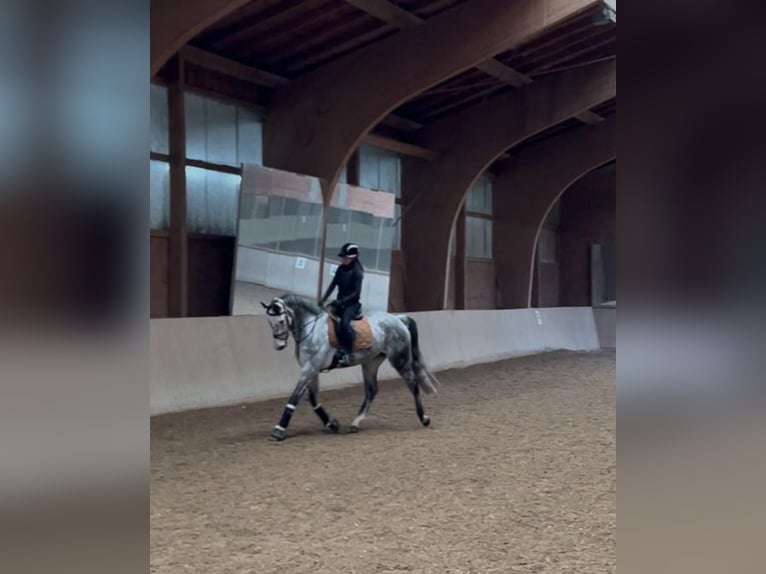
[(349, 335)]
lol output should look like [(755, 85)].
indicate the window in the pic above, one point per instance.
[(338, 230), (158, 111), (308, 228), (396, 231), (478, 227), (222, 133), (211, 201), (385, 243), (548, 246), (478, 237), (479, 199), (380, 169), (159, 171), (159, 195)]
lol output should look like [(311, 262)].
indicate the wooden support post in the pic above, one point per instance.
[(178, 277), (352, 169), (460, 259), (323, 238)]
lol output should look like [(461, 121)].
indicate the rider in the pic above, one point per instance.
[(348, 279)]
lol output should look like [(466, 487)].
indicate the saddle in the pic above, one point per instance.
[(361, 326)]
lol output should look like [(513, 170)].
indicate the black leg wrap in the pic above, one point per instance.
[(286, 416), (322, 414), (332, 424)]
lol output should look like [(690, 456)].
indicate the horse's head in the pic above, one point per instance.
[(281, 319)]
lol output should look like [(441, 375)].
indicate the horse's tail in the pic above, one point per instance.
[(426, 379)]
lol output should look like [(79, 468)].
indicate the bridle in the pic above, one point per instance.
[(288, 312), (283, 310)]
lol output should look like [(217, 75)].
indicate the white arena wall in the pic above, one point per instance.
[(218, 361), (606, 326)]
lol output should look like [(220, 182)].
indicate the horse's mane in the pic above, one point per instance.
[(301, 305)]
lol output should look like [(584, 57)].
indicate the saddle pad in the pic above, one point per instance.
[(362, 329)]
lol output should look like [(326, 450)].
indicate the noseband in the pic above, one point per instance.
[(282, 337), (276, 309)]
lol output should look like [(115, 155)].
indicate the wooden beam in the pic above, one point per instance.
[(352, 169), (485, 93), (460, 241), (401, 147), (589, 117), (199, 163), (176, 22), (504, 73), (317, 121), (400, 123), (281, 39), (217, 63), (602, 37), (398, 17), (469, 141), (232, 68), (296, 43), (322, 55), (245, 28), (178, 267), (387, 12)]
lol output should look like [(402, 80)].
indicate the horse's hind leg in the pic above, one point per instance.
[(403, 365), (370, 372), (330, 423)]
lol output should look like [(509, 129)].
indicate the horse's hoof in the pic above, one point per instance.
[(353, 429), (278, 434), (332, 425), (426, 420)]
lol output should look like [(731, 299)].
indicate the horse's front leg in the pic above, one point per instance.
[(329, 422), (279, 431)]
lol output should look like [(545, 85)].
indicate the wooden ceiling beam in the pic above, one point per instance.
[(323, 115), (176, 22), (240, 32), (589, 117), (400, 123), (505, 74), (399, 146), (456, 103), (569, 56), (387, 12), (322, 54), (217, 63), (398, 17)]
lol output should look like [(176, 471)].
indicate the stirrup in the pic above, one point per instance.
[(334, 363), (346, 359)]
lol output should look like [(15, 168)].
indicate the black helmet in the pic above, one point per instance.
[(349, 250)]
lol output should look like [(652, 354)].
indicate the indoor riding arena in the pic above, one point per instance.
[(460, 156), (515, 474)]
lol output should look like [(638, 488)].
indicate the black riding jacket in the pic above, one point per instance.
[(348, 279)]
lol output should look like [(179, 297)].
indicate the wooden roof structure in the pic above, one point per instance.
[(264, 44)]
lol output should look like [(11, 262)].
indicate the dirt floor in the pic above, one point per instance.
[(515, 474)]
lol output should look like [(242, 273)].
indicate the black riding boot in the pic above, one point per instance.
[(346, 357), (346, 353)]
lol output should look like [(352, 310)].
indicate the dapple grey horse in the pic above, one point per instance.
[(393, 336)]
